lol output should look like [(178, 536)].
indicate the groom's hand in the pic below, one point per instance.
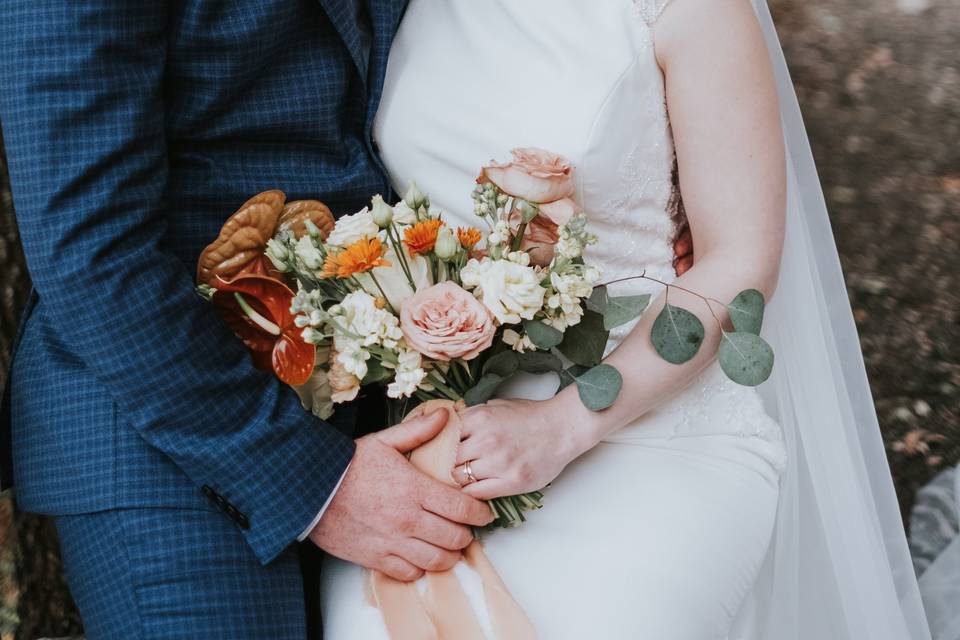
[(389, 516)]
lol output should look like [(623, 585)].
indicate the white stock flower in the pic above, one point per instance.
[(517, 342), (349, 229), (308, 252), (357, 323), (511, 291), (408, 376)]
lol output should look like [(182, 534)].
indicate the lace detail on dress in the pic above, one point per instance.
[(650, 10)]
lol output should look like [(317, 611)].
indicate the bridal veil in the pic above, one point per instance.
[(838, 566)]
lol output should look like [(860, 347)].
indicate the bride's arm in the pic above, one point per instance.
[(722, 101)]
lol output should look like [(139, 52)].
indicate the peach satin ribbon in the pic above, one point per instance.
[(443, 611)]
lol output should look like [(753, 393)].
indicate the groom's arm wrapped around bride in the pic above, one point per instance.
[(131, 133), (112, 195)]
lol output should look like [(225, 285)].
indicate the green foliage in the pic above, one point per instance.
[(583, 343), (677, 334), (746, 358), (542, 335), (616, 310), (746, 311), (539, 362), (484, 389), (503, 364), (598, 386)]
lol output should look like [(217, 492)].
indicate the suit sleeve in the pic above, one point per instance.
[(81, 104)]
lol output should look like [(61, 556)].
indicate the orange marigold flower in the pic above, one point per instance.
[(421, 237), (363, 255), (468, 237), (330, 266)]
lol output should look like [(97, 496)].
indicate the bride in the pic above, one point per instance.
[(693, 508)]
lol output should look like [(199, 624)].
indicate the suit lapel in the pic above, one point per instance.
[(385, 16), (344, 16)]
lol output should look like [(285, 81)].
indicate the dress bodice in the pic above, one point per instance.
[(467, 81), (577, 78)]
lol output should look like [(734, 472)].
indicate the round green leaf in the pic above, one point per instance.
[(584, 342), (677, 334), (569, 376), (539, 362), (598, 299), (746, 311), (746, 358), (622, 309), (599, 387), (503, 364), (542, 335)]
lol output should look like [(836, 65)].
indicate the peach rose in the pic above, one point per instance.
[(534, 175), (445, 322)]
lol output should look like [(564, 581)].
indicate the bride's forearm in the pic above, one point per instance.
[(648, 379)]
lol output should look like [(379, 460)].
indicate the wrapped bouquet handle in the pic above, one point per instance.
[(443, 611)]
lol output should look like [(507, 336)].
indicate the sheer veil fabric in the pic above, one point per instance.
[(838, 566)]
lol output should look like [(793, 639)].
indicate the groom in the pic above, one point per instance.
[(180, 477)]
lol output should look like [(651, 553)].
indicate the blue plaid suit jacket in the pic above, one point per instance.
[(132, 130)]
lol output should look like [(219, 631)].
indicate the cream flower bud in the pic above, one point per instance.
[(527, 211), (446, 245), (382, 212), (414, 197)]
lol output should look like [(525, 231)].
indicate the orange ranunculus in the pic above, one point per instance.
[(361, 256), (468, 237), (421, 237), (257, 308)]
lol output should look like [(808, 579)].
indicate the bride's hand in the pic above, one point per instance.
[(512, 447)]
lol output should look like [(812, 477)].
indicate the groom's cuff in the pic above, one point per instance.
[(316, 521)]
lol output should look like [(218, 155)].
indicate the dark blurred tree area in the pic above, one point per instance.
[(879, 84)]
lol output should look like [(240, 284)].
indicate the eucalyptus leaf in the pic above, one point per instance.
[(569, 375), (504, 364), (746, 311), (622, 309), (746, 358), (599, 387), (584, 342), (542, 335), (598, 299), (483, 390), (539, 362), (677, 334)]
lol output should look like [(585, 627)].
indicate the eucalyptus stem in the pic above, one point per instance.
[(706, 299)]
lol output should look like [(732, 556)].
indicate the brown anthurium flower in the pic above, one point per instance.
[(257, 308)]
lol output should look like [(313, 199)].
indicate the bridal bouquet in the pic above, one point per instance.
[(394, 295)]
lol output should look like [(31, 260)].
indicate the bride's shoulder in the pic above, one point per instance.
[(652, 10), (707, 26)]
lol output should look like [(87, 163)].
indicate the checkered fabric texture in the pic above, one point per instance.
[(132, 131), (142, 585)]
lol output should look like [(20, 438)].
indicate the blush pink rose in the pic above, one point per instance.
[(444, 322), (534, 175)]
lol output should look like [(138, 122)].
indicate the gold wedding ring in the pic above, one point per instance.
[(467, 472)]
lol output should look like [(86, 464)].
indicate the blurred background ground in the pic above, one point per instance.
[(879, 83)]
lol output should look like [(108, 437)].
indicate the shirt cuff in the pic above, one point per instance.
[(312, 526)]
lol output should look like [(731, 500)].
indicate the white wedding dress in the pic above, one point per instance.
[(661, 530)]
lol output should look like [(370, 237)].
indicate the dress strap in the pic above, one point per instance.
[(650, 10)]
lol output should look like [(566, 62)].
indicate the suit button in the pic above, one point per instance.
[(207, 491), (242, 521)]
